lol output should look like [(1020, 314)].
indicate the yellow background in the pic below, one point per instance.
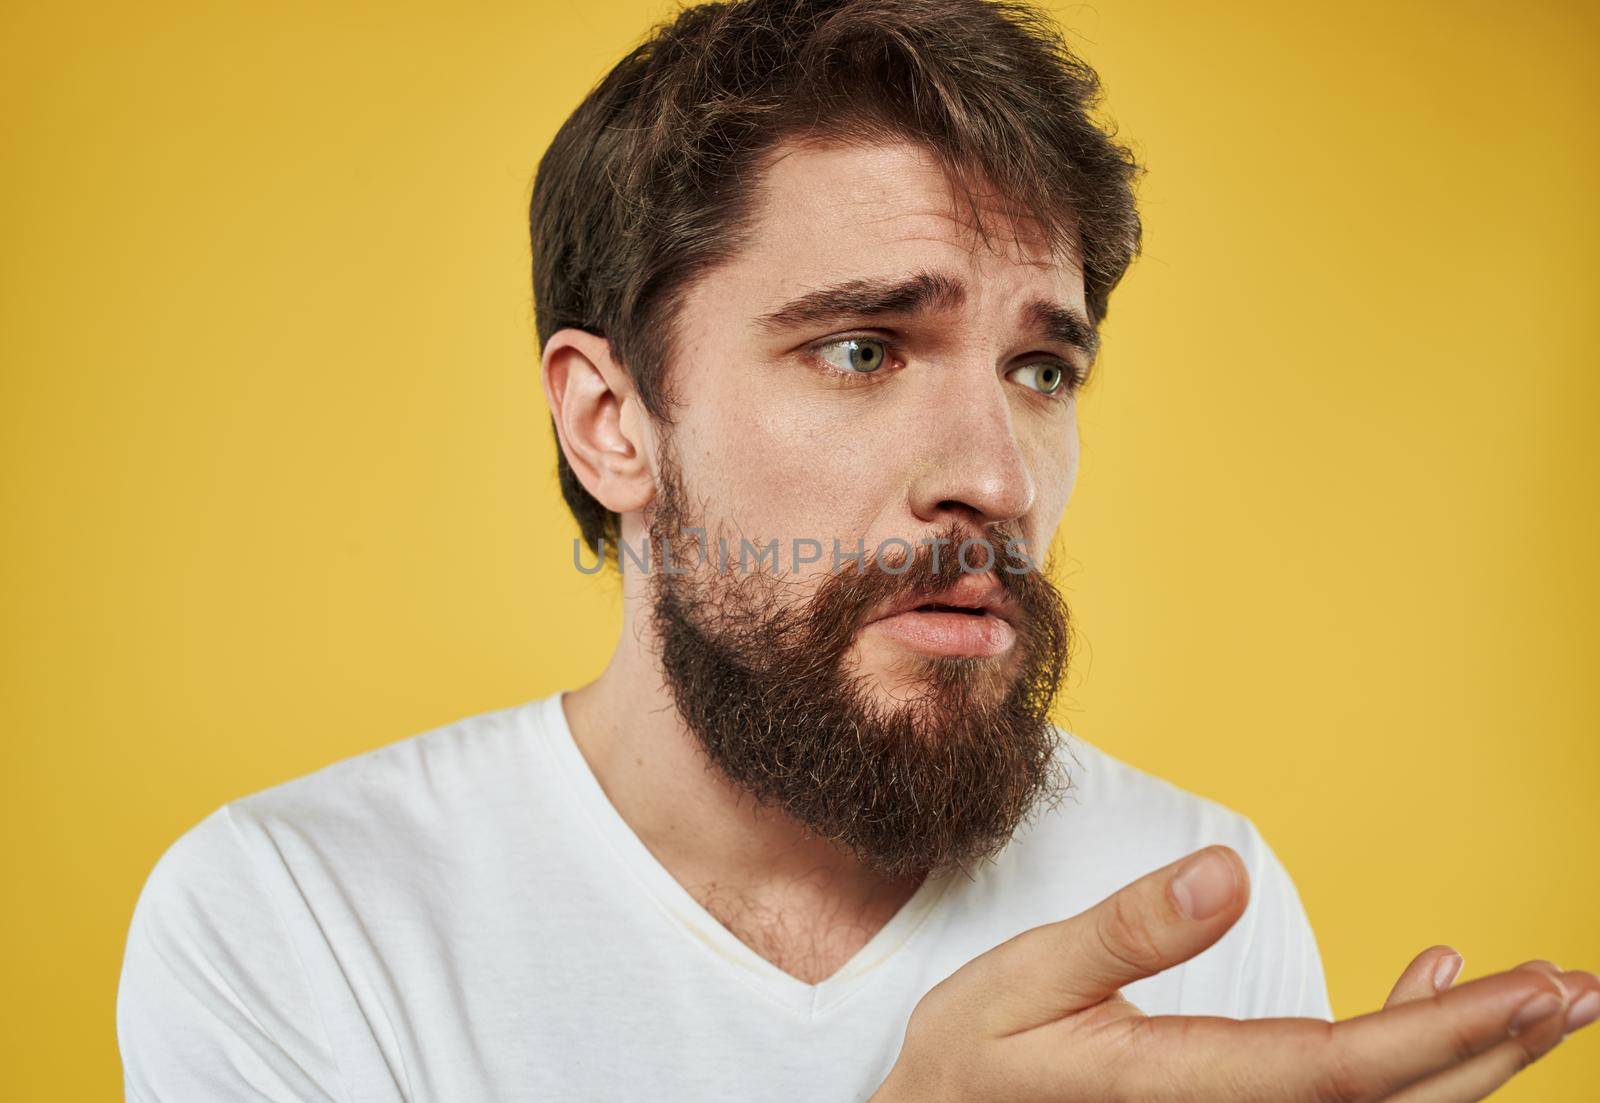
[(278, 481)]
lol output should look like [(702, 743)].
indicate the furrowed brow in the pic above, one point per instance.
[(919, 293), (1063, 325), (865, 298)]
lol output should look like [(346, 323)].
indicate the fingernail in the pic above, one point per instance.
[(1539, 1007), (1585, 1011), (1444, 973), (1204, 885)]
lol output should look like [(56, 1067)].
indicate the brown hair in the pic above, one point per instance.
[(647, 185)]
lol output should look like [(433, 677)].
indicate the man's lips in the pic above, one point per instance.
[(972, 617)]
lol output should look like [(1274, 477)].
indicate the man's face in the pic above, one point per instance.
[(776, 441), (868, 374)]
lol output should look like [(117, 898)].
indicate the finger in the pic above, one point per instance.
[(1543, 965), (1483, 1074), (1368, 1058), (1389, 1050), (1162, 919), (1584, 1008), (1430, 972)]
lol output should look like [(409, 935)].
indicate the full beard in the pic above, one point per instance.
[(937, 781)]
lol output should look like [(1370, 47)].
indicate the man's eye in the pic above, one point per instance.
[(1047, 378), (859, 355)]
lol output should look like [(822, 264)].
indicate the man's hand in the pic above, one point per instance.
[(1040, 1017)]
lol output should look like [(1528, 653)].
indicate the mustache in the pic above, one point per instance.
[(851, 597), (756, 629)]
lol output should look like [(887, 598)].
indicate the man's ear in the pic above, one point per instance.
[(600, 422)]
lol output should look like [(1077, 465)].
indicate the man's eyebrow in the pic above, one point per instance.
[(1064, 325), (924, 292)]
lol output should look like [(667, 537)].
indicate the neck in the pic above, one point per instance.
[(801, 902)]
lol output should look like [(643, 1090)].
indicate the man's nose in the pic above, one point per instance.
[(973, 468)]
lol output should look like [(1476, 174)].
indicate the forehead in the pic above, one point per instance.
[(831, 211)]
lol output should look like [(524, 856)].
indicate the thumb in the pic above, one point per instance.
[(1161, 920)]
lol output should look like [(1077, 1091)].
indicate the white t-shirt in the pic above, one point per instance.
[(463, 916)]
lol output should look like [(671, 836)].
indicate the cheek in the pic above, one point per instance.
[(791, 466), (1055, 474), (1068, 467)]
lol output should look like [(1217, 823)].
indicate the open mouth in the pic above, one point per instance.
[(953, 631)]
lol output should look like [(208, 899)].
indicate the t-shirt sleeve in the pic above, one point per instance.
[(213, 1002), (1281, 974)]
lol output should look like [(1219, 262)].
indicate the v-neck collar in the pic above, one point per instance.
[(698, 924)]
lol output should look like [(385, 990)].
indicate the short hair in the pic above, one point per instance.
[(648, 184)]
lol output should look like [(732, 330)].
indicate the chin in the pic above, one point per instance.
[(910, 679)]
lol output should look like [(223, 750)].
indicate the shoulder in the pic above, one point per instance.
[(242, 936), (237, 874), (203, 875), (463, 762), (363, 821), (1129, 820), (211, 986), (1116, 823), (217, 877)]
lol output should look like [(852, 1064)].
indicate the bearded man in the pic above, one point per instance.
[(818, 284)]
